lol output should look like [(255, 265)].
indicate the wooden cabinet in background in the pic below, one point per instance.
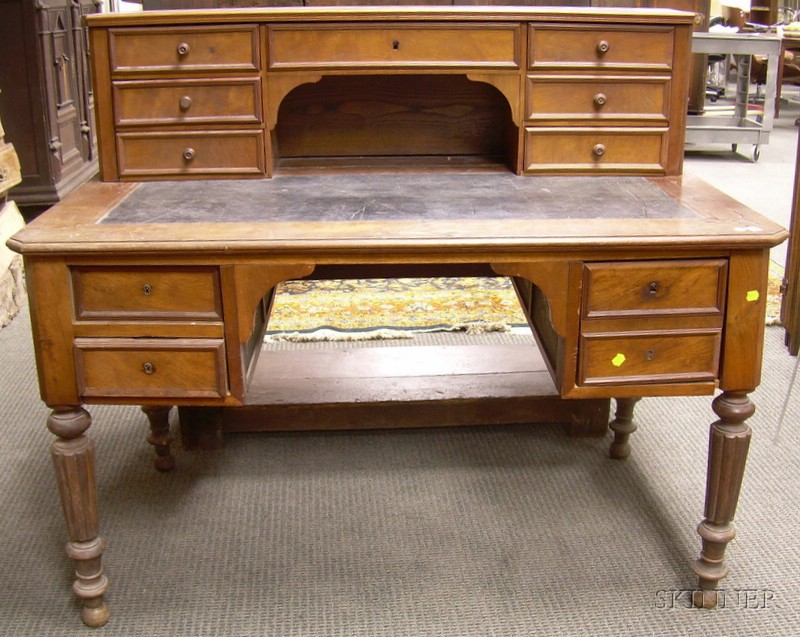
[(46, 100)]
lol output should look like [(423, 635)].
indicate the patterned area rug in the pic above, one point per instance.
[(420, 303), (414, 304)]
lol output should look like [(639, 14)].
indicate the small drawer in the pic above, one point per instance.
[(674, 357), (595, 150), (399, 45), (608, 47), (154, 102), (150, 368), (654, 288), (111, 293), (210, 153), (605, 100), (182, 49)]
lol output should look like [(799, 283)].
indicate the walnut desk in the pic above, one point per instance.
[(564, 174)]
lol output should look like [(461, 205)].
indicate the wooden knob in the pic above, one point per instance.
[(148, 368), (600, 99), (188, 154), (183, 48), (599, 150), (185, 102), (603, 47)]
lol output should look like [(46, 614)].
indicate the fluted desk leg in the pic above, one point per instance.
[(729, 442), (73, 458)]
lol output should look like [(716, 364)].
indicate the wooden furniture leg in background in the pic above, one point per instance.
[(729, 441), (622, 426), (159, 436), (73, 458)]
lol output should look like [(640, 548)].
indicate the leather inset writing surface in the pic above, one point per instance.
[(397, 197)]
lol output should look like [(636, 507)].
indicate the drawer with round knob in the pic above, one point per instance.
[(645, 357), (411, 45), (108, 293), (620, 289), (575, 46), (607, 100), (156, 154), (190, 101), (581, 150), (184, 49), (151, 368)]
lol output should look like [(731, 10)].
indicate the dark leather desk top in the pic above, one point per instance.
[(397, 197)]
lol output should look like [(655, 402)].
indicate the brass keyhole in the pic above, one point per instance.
[(395, 44), (649, 355), (652, 288), (147, 289), (148, 368)]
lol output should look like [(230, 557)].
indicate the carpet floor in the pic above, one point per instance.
[(479, 531)]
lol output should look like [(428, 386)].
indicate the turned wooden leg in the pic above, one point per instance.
[(729, 441), (159, 436), (73, 458), (622, 426)]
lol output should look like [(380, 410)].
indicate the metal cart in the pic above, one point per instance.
[(739, 122)]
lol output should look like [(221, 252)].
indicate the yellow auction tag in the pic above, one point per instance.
[(752, 295), (618, 360)]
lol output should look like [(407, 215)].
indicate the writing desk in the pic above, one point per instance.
[(392, 140), (663, 295)]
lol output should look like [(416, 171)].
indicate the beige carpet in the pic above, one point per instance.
[(474, 532)]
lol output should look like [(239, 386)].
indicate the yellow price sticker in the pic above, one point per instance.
[(618, 360), (752, 295)]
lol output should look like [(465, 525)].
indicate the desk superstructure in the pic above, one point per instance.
[(635, 281)]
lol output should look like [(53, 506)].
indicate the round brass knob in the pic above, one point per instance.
[(188, 154), (599, 150), (603, 47), (148, 368), (183, 48), (600, 99), (185, 102)]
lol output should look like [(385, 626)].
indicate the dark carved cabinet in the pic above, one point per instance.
[(46, 99)]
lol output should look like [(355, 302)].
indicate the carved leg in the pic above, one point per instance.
[(159, 436), (73, 458), (622, 426), (729, 441)]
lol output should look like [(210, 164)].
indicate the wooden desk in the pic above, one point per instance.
[(158, 293), (663, 296)]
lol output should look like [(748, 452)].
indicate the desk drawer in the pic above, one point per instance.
[(359, 46), (609, 47), (182, 49), (595, 150), (654, 288), (150, 368), (148, 103), (120, 293), (600, 99), (211, 153), (687, 356)]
